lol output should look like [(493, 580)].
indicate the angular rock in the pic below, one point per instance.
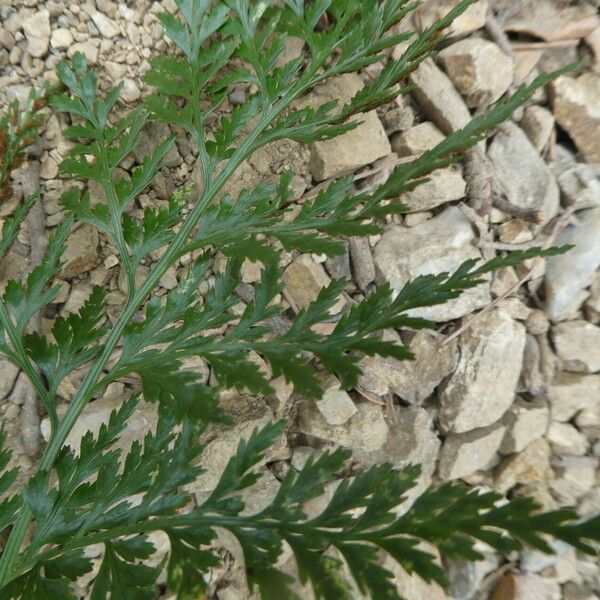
[(8, 376), (471, 20), (417, 140), (412, 440), (88, 48), (538, 124), (439, 245), (578, 346), (413, 380), (105, 26), (151, 135), (482, 387), (569, 274), (414, 587), (588, 420), (572, 392), (480, 70), (361, 146), (464, 453), (217, 453), (576, 104), (303, 280), (438, 98), (61, 38), (363, 266), (444, 185), (575, 477), (551, 21), (565, 440), (96, 413), (578, 181), (81, 254), (532, 465), (516, 586), (37, 31), (522, 173), (366, 431), (466, 576), (336, 406), (524, 422)]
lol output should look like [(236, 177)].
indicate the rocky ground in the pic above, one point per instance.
[(506, 393)]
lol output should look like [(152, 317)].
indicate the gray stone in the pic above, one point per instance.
[(81, 254), (521, 172), (443, 185), (217, 453), (37, 31), (439, 245), (303, 280), (578, 182), (335, 405), (363, 145), (524, 422), (480, 70), (363, 266), (466, 576), (8, 376), (413, 380), (567, 275), (576, 104), (105, 26), (572, 392), (471, 20), (366, 431), (530, 466), (574, 477), (464, 453), (151, 135), (483, 386), (578, 346), (438, 98), (565, 440), (538, 124), (61, 38), (97, 413), (417, 139)]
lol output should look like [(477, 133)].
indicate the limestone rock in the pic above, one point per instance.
[(363, 266), (532, 465), (412, 586), (413, 441), (565, 440), (516, 586), (578, 181), (538, 123), (569, 274), (417, 139), (303, 280), (151, 135), (105, 26), (576, 103), (464, 453), (361, 146), (483, 386), (522, 173), (336, 406), (439, 245), (465, 576), (471, 20), (88, 48), (444, 185), (366, 431), (524, 422), (412, 380), (96, 413), (572, 392), (575, 477), (8, 376), (480, 70), (578, 346), (551, 20), (81, 254), (438, 97), (217, 453), (37, 31), (61, 38)]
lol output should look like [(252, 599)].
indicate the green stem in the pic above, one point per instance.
[(25, 364)]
